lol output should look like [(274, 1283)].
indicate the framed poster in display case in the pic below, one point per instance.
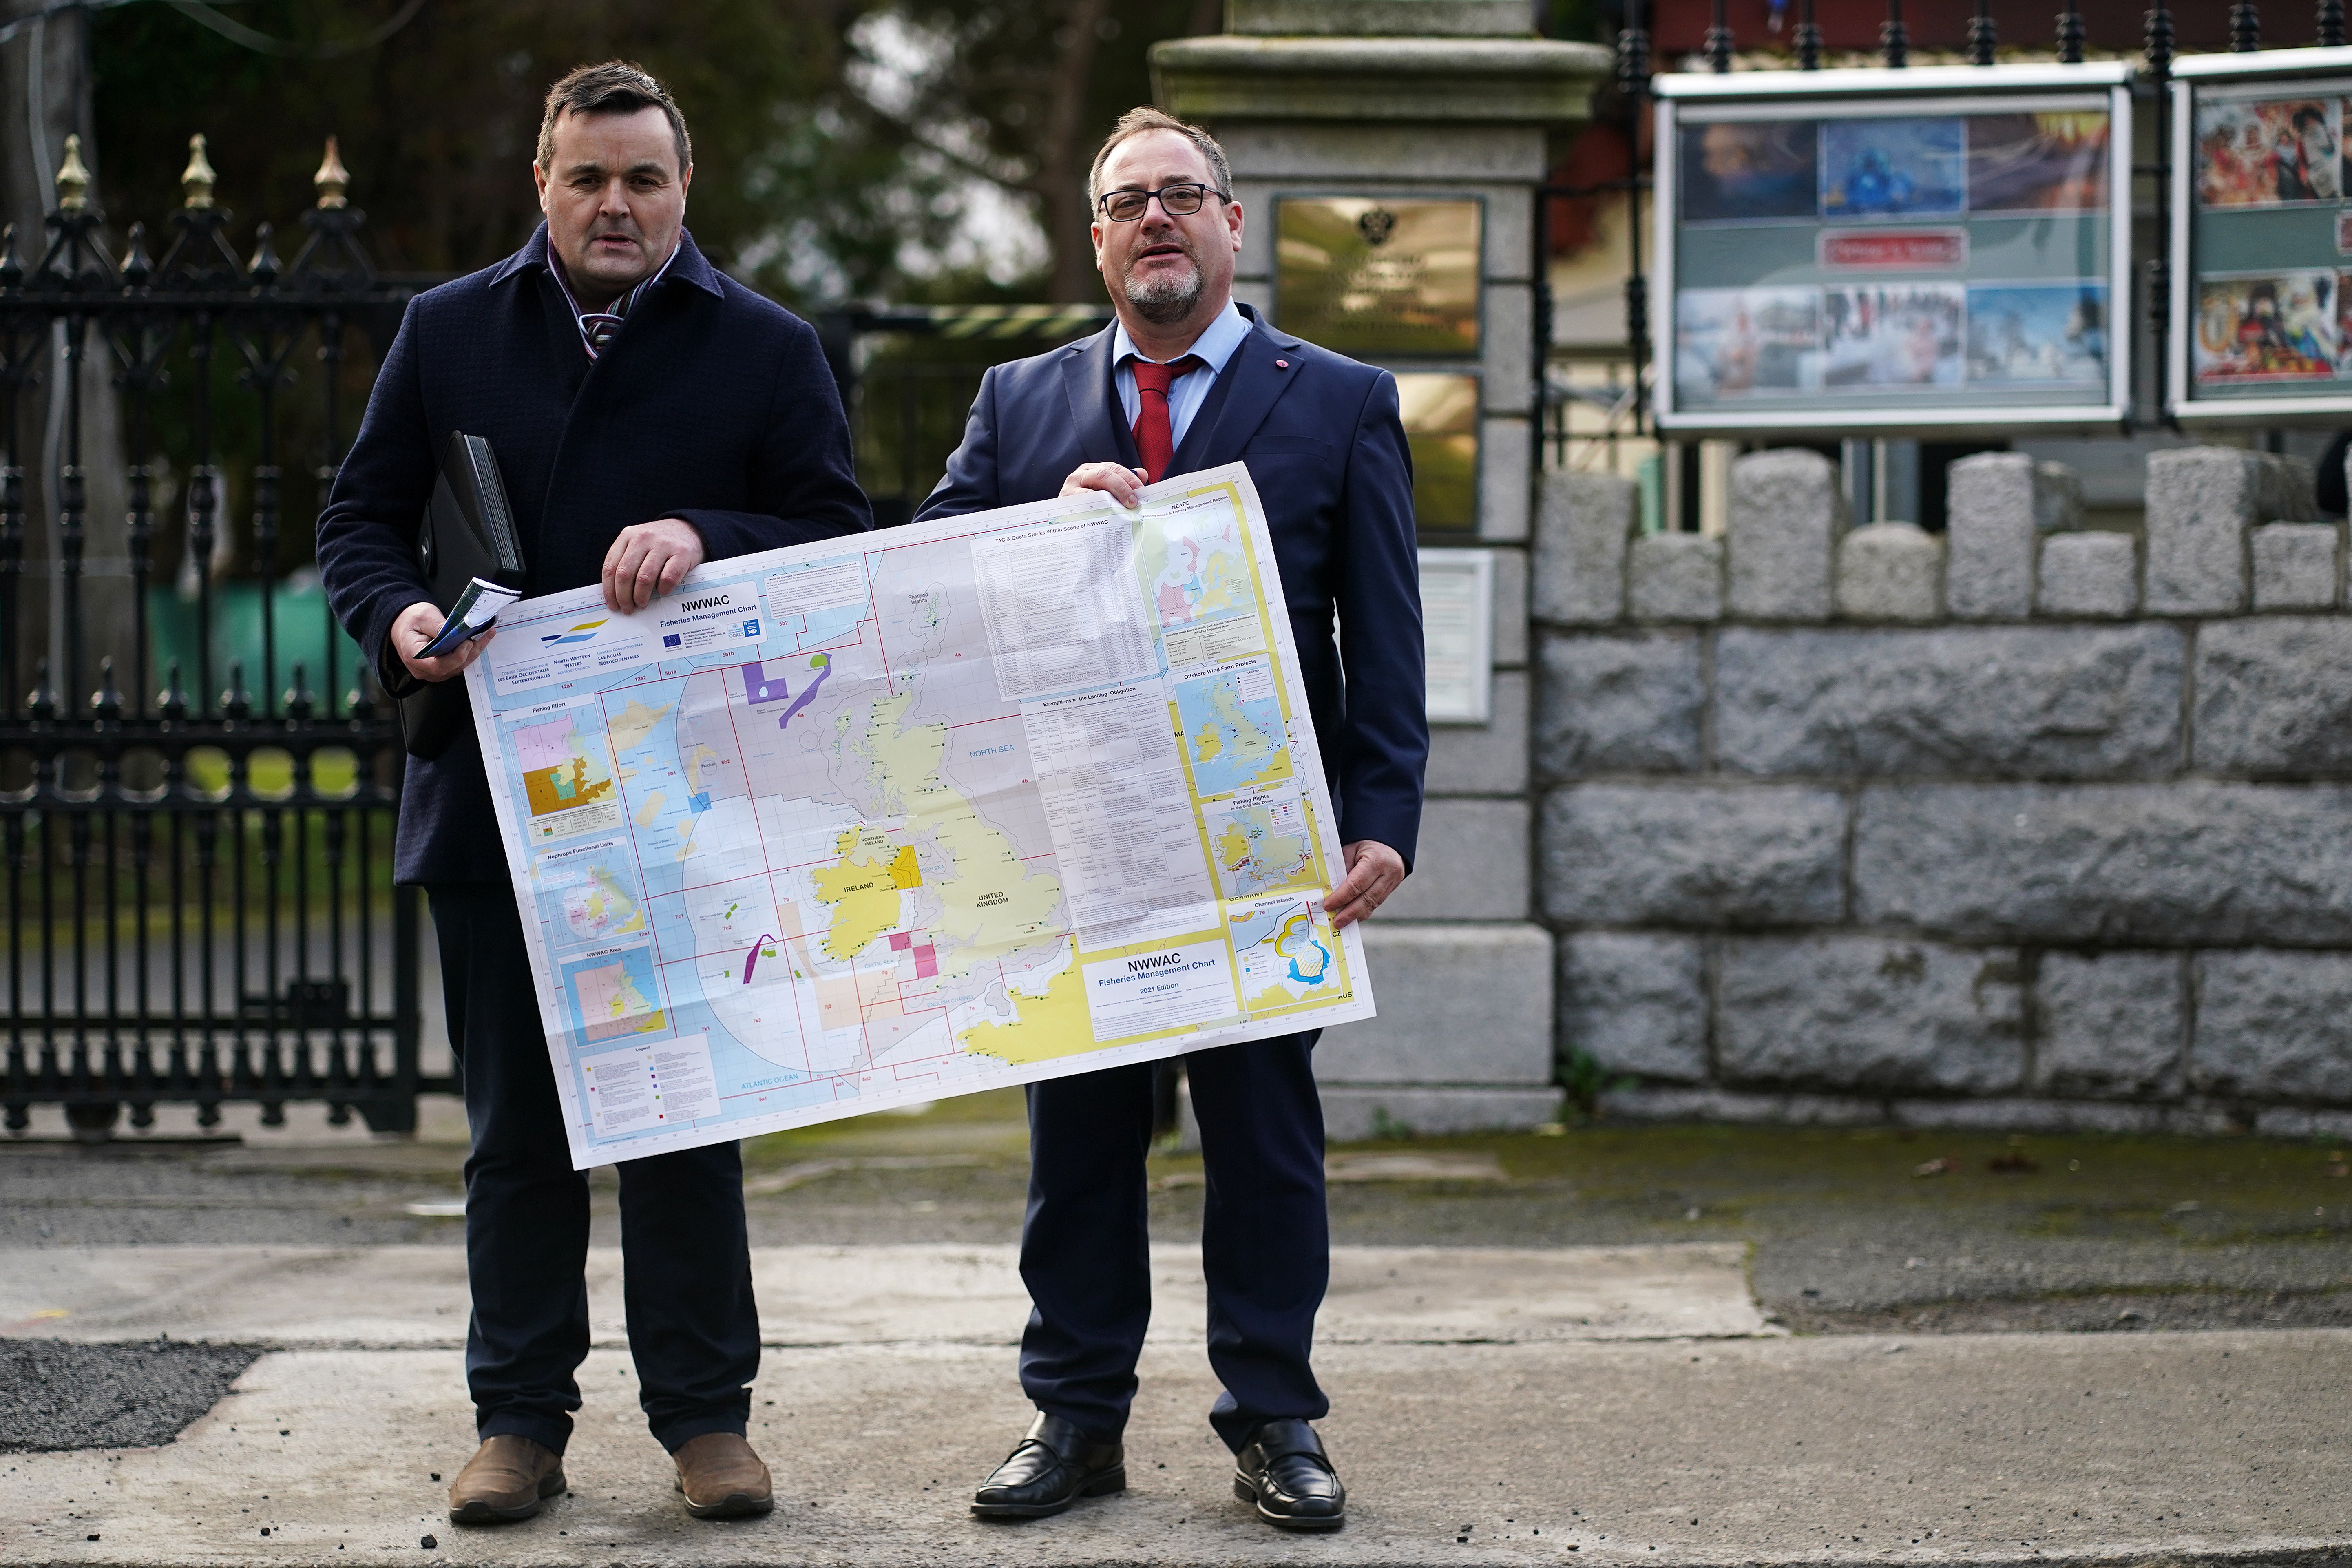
[(1942, 249), (2260, 331)]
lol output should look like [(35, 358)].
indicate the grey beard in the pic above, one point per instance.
[(1165, 302)]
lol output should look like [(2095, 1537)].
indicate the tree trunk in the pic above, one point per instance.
[(1063, 155), (45, 96)]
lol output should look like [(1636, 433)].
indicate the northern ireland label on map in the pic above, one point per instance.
[(913, 813)]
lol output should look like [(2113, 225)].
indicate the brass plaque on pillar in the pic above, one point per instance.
[(1378, 279), (1441, 427)]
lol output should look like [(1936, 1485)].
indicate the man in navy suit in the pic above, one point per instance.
[(1185, 380), (647, 413)]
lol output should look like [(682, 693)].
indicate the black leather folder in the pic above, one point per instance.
[(469, 532)]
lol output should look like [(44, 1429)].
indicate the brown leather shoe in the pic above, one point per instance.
[(507, 1480), (721, 1478)]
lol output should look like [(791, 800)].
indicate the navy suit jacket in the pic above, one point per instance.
[(712, 404), (1327, 451)]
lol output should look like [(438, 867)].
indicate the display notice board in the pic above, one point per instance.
[(1457, 623), (1932, 249), (2262, 238)]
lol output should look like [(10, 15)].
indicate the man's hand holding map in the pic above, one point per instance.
[(883, 819)]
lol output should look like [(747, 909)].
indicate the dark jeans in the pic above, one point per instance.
[(1264, 1236), (686, 1263)]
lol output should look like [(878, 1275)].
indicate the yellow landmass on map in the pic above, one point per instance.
[(1049, 1026), (989, 901), (607, 899), (651, 809), (1223, 585), (1233, 847), (626, 1001), (635, 722), (1273, 996), (1210, 744), (864, 889), (1298, 945)]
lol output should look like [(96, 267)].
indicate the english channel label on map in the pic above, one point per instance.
[(916, 814)]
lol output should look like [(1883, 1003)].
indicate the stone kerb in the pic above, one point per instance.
[(2028, 823)]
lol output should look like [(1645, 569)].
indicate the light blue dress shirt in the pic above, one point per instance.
[(1214, 347)]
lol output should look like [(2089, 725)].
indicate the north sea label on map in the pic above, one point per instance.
[(913, 813)]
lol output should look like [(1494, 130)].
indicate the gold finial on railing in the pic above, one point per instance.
[(73, 179), (197, 180), (332, 179)]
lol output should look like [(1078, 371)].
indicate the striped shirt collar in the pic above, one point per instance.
[(597, 326)]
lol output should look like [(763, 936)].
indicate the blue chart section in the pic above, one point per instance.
[(1234, 733), (662, 794), (674, 902)]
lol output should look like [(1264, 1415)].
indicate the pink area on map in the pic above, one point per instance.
[(752, 957), (547, 744), (901, 940), (926, 964)]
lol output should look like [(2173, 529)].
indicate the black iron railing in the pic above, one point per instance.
[(197, 783)]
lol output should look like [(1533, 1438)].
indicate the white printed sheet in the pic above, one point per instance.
[(916, 814)]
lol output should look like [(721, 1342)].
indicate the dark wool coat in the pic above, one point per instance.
[(712, 404)]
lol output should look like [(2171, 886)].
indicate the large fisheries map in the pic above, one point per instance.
[(913, 813)]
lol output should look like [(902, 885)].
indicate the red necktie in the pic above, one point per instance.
[(1154, 443)]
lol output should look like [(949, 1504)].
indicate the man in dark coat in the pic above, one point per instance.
[(1186, 380), (647, 414)]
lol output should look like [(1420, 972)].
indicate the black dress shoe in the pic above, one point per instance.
[(1055, 1465), (1284, 1472)]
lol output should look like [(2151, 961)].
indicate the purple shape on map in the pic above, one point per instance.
[(807, 692), (752, 957), (759, 687)]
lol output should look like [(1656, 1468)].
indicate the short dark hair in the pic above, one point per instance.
[(617, 87), (1135, 123)]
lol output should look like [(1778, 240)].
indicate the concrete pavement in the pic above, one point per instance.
[(2220, 1448), (1601, 1335), (377, 1298)]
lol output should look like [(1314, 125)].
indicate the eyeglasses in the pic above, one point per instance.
[(1177, 201)]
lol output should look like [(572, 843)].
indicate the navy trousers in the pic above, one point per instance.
[(1264, 1236), (687, 1262)]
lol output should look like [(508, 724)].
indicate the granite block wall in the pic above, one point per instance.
[(2016, 824)]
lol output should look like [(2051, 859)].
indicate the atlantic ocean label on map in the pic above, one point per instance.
[(913, 814)]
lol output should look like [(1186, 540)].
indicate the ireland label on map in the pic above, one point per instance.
[(915, 813)]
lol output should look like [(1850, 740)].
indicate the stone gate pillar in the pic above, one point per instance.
[(1388, 153)]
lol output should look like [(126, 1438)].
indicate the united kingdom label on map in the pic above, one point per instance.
[(913, 813)]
